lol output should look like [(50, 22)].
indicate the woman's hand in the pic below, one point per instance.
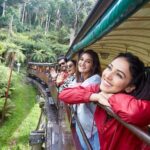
[(106, 95), (60, 78), (101, 97), (53, 73)]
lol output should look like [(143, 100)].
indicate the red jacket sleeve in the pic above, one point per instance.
[(130, 109), (78, 94)]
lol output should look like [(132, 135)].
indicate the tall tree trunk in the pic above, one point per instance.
[(36, 19), (11, 25), (57, 19), (72, 36), (47, 25), (19, 10), (23, 13), (41, 21), (4, 8), (76, 23), (25, 17), (78, 6), (29, 19)]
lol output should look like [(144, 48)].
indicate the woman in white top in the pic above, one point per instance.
[(88, 72)]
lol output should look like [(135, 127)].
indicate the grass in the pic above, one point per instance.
[(14, 133)]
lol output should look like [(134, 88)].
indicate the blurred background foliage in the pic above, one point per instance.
[(31, 30)]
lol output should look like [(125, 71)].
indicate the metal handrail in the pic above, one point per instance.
[(89, 147)]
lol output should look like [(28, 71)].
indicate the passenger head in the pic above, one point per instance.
[(71, 67), (126, 73), (88, 65), (62, 63)]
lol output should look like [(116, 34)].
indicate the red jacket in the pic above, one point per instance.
[(112, 134)]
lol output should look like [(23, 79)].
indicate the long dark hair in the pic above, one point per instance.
[(96, 69), (140, 76), (73, 61)]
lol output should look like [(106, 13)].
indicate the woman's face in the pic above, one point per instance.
[(71, 68), (117, 77), (85, 64)]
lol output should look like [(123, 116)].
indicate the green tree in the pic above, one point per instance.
[(38, 56), (13, 50)]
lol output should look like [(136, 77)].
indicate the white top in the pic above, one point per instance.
[(85, 112)]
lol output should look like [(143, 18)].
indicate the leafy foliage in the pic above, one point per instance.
[(3, 37), (8, 109), (13, 50), (4, 75), (45, 27), (4, 21), (1, 48)]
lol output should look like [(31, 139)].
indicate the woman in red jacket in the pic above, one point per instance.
[(128, 80)]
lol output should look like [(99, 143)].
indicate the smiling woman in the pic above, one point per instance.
[(71, 70), (71, 67), (117, 76), (88, 72), (88, 65), (125, 74)]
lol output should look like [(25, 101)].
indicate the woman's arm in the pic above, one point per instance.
[(100, 97), (78, 94), (130, 109)]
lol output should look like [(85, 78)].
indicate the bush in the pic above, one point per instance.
[(37, 37), (1, 48), (3, 37), (8, 109), (63, 35), (4, 76), (4, 21)]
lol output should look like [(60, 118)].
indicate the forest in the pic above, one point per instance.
[(33, 30)]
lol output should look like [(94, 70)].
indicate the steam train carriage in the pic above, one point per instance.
[(112, 27)]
